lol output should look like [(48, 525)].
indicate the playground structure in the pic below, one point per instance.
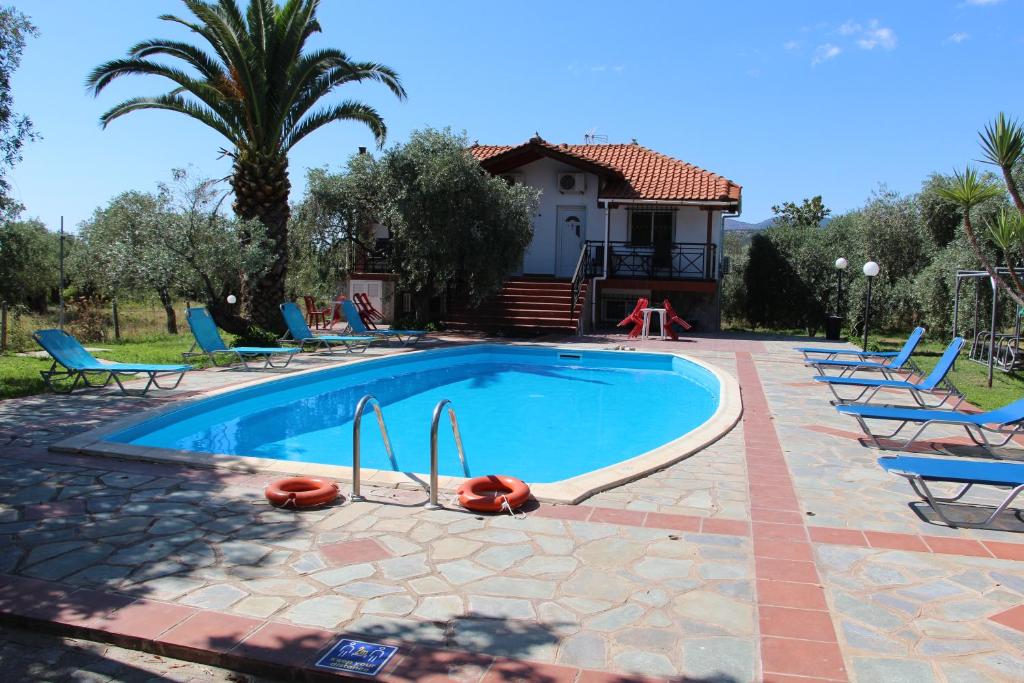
[(991, 347)]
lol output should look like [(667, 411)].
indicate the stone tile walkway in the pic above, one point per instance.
[(778, 553), (41, 658)]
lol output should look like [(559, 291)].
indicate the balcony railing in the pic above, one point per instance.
[(376, 261), (674, 261)]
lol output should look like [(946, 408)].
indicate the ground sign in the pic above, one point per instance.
[(355, 656)]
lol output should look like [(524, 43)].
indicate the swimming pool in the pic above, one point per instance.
[(542, 414)]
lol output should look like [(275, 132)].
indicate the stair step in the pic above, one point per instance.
[(544, 286), (562, 308), (498, 325), (524, 303), (512, 315)]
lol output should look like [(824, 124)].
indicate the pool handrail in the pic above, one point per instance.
[(433, 504), (356, 451)]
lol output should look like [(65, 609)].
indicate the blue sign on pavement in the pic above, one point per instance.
[(355, 656)]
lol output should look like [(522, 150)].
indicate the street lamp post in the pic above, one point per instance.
[(870, 270), (841, 265)]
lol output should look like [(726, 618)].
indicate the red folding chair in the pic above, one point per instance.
[(315, 315), (673, 317), (366, 310), (366, 307), (636, 318)]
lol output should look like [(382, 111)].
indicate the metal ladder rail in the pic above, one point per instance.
[(438, 409), (356, 454)]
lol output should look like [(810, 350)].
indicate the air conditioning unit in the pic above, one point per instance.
[(572, 183)]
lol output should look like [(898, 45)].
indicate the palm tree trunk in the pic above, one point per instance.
[(1012, 187), (261, 188), (1018, 297)]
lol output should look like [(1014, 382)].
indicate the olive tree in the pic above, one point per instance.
[(452, 223), (332, 226), (121, 252), (28, 263), (176, 241), (15, 129)]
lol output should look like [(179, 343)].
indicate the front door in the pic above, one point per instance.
[(570, 234)]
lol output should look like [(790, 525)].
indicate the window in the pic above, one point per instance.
[(647, 228), (616, 306)]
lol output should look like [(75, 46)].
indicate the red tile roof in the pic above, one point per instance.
[(632, 171)]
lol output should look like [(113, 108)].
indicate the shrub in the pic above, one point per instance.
[(89, 319)]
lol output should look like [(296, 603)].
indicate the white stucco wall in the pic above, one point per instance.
[(542, 254), (543, 174)]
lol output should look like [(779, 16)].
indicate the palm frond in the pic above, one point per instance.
[(254, 80), (1003, 141), (209, 67), (169, 102), (1007, 232), (968, 189), (346, 111)]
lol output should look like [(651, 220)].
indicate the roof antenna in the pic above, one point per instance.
[(591, 137)]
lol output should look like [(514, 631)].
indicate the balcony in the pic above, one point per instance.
[(376, 261), (669, 261)]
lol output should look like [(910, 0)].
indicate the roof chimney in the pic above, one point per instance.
[(362, 150)]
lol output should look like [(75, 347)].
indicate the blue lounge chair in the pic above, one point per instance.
[(813, 352), (889, 368), (212, 346), (918, 390), (356, 324), (299, 333), (1007, 422), (79, 364), (969, 473)]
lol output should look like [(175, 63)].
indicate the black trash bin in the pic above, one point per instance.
[(833, 327)]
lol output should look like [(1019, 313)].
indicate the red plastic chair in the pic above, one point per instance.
[(315, 316), (366, 308), (636, 318), (335, 311), (673, 317)]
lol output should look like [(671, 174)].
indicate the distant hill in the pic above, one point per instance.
[(733, 224)]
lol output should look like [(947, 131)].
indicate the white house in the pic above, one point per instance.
[(615, 222)]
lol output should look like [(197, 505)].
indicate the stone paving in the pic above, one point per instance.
[(41, 658), (764, 556)]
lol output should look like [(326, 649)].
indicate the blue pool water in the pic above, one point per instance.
[(540, 414)]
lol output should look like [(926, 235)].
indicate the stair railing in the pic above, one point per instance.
[(578, 278)]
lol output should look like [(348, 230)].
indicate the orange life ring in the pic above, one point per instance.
[(300, 492), (492, 493)]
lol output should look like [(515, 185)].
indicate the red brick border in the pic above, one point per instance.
[(939, 545), (797, 634)]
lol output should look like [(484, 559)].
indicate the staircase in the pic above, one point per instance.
[(524, 306)]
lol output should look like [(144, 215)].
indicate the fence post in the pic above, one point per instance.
[(117, 323), (3, 326)]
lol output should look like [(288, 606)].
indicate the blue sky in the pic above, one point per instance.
[(789, 99)]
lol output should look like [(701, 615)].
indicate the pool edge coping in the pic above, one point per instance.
[(567, 491)]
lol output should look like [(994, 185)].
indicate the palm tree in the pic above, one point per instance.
[(258, 88)]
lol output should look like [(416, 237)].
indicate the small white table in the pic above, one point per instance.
[(647, 320)]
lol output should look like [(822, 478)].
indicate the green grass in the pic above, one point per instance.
[(19, 375), (969, 377)]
